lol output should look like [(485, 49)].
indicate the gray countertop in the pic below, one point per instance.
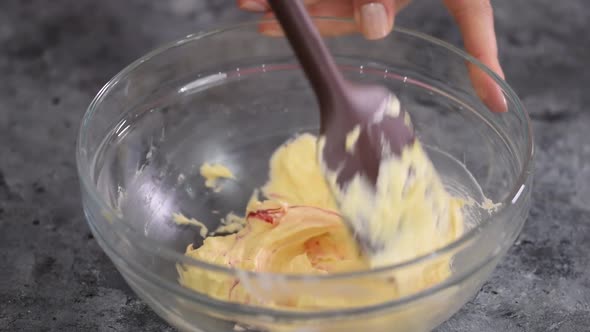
[(55, 55)]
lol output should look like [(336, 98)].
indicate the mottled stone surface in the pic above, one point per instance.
[(55, 55)]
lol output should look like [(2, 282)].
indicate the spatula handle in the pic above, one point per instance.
[(321, 70)]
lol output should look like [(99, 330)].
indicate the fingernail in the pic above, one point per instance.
[(504, 104), (253, 6), (374, 23), (495, 101)]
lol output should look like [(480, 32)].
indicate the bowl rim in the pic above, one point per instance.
[(83, 167)]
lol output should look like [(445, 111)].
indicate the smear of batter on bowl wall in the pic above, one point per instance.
[(180, 219), (213, 172), (297, 230)]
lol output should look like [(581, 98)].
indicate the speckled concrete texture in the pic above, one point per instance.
[(55, 55)]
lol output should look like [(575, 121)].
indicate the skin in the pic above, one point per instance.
[(474, 17)]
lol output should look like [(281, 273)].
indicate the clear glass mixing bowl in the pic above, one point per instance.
[(233, 96)]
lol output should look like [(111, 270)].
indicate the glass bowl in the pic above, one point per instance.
[(233, 96)]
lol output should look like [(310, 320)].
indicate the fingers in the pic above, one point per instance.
[(253, 5), (476, 22), (323, 8), (374, 18)]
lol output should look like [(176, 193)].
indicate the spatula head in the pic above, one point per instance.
[(364, 128)]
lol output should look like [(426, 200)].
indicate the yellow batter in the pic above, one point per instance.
[(180, 219), (298, 231), (409, 211), (213, 172)]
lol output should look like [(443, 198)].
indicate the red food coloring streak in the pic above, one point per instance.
[(236, 283), (268, 215)]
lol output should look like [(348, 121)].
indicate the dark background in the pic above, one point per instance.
[(56, 54)]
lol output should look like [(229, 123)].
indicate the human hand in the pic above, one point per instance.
[(375, 19)]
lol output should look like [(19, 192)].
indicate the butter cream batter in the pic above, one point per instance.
[(298, 230), (183, 220), (408, 212), (213, 172)]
